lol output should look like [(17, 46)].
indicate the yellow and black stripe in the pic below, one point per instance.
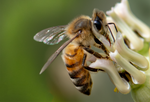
[(79, 75)]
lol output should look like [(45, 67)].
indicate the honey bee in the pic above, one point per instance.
[(82, 33)]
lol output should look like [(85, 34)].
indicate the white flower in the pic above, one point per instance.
[(122, 60), (129, 25), (126, 68), (123, 11)]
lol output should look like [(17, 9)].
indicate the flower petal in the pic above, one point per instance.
[(140, 61), (136, 42), (108, 66), (123, 11), (137, 76)]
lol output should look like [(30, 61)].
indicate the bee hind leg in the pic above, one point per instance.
[(87, 67)]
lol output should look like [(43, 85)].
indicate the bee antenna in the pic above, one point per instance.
[(114, 26), (111, 31)]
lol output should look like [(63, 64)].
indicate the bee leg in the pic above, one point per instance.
[(92, 69), (100, 45), (87, 67), (96, 54)]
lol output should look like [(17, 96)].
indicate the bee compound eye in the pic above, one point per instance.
[(98, 24)]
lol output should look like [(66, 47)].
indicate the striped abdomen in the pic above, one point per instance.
[(73, 56)]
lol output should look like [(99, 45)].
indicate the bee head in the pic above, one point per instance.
[(99, 22)]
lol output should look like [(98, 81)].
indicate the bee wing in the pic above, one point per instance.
[(57, 52), (52, 35)]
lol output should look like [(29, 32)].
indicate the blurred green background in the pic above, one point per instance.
[(21, 58)]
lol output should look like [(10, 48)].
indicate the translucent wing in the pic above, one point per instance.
[(52, 35), (51, 59)]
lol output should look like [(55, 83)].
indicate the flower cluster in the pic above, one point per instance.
[(126, 67)]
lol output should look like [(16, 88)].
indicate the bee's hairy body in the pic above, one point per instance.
[(73, 57), (74, 52)]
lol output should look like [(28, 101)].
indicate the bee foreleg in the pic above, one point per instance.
[(96, 54), (87, 67), (102, 47)]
